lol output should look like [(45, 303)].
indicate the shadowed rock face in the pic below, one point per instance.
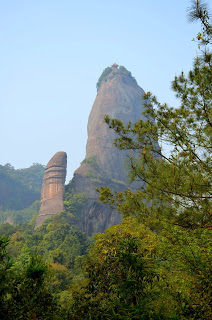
[(53, 187), (119, 96)]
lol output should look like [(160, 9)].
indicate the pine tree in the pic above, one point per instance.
[(175, 198), (176, 188)]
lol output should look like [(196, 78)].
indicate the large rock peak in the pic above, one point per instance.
[(53, 187), (120, 97)]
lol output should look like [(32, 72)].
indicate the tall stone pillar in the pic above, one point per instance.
[(53, 187)]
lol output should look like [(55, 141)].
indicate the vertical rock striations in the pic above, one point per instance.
[(53, 187), (119, 96)]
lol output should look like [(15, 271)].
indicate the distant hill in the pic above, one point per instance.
[(20, 188), (20, 216)]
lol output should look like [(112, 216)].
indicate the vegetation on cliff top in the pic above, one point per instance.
[(120, 70)]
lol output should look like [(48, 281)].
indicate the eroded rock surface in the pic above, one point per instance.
[(53, 187), (120, 97)]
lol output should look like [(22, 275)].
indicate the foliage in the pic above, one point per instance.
[(199, 11), (156, 264), (13, 194), (121, 70), (7, 229), (19, 188), (131, 275), (24, 292), (96, 178), (91, 161), (74, 202), (56, 240), (103, 76), (135, 273), (21, 216), (184, 178), (5, 265), (31, 177), (175, 198)]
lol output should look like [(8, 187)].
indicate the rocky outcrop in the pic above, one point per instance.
[(53, 187), (119, 96)]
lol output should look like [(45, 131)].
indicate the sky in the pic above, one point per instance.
[(53, 52)]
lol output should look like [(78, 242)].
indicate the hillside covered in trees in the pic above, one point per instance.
[(155, 264), (19, 191)]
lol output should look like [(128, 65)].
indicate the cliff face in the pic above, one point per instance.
[(119, 96), (53, 187)]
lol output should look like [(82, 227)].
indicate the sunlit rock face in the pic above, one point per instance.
[(120, 97), (53, 187)]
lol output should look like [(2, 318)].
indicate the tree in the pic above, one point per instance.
[(175, 198), (199, 11), (5, 265), (125, 277), (184, 178), (24, 292)]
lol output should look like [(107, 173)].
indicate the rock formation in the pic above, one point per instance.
[(53, 187), (119, 96)]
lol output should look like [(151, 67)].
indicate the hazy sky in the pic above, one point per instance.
[(53, 52)]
